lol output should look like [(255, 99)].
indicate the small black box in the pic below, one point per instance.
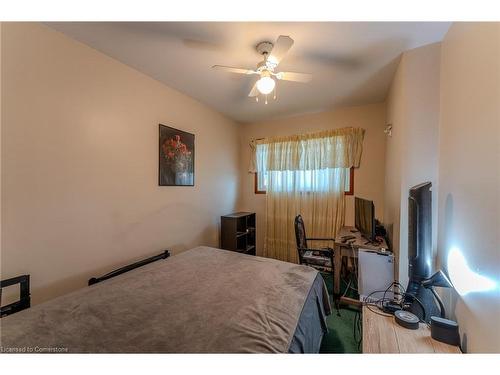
[(445, 330)]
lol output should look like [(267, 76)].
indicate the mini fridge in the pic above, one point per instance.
[(375, 274)]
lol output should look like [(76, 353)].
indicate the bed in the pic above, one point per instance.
[(204, 300)]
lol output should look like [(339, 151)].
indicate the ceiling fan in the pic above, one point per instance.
[(266, 69)]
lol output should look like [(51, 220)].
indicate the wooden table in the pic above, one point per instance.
[(381, 334), (350, 249)]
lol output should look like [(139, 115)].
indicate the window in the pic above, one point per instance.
[(260, 183), (304, 180), (300, 180)]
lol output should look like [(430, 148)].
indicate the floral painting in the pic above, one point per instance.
[(176, 157)]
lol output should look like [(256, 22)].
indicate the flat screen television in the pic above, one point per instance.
[(365, 217)]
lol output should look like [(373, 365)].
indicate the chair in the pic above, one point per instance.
[(320, 259)]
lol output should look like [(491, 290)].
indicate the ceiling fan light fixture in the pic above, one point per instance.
[(265, 85), (272, 55)]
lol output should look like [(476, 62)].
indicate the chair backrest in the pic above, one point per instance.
[(300, 236)]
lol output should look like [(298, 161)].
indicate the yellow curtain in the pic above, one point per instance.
[(305, 175)]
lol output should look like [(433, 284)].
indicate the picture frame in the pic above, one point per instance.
[(176, 151)]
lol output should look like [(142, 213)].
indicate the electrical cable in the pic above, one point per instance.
[(360, 329), (357, 329), (399, 297), (377, 306), (347, 288)]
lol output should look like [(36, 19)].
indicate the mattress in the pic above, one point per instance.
[(204, 300)]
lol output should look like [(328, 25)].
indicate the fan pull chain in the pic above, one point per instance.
[(266, 98), (274, 97), (257, 99)]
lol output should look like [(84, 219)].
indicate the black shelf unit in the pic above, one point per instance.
[(238, 232)]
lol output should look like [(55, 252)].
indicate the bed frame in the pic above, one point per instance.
[(24, 295), (119, 271)]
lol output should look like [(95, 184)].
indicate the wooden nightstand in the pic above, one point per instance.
[(381, 334)]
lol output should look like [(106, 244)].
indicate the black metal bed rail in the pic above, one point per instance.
[(119, 271), (24, 295)]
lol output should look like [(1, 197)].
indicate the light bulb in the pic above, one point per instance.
[(265, 85)]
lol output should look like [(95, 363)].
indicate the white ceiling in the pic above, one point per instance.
[(352, 62)]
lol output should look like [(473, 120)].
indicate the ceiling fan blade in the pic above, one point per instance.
[(254, 91), (234, 70), (281, 47), (296, 77)]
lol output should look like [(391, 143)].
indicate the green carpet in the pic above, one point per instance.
[(340, 338)]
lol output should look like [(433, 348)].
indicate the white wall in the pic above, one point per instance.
[(80, 191), (412, 151), (368, 178), (454, 141), (469, 172)]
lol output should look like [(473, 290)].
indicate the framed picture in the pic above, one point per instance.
[(176, 151)]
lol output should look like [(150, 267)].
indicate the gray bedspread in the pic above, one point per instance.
[(204, 300), (312, 325)]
